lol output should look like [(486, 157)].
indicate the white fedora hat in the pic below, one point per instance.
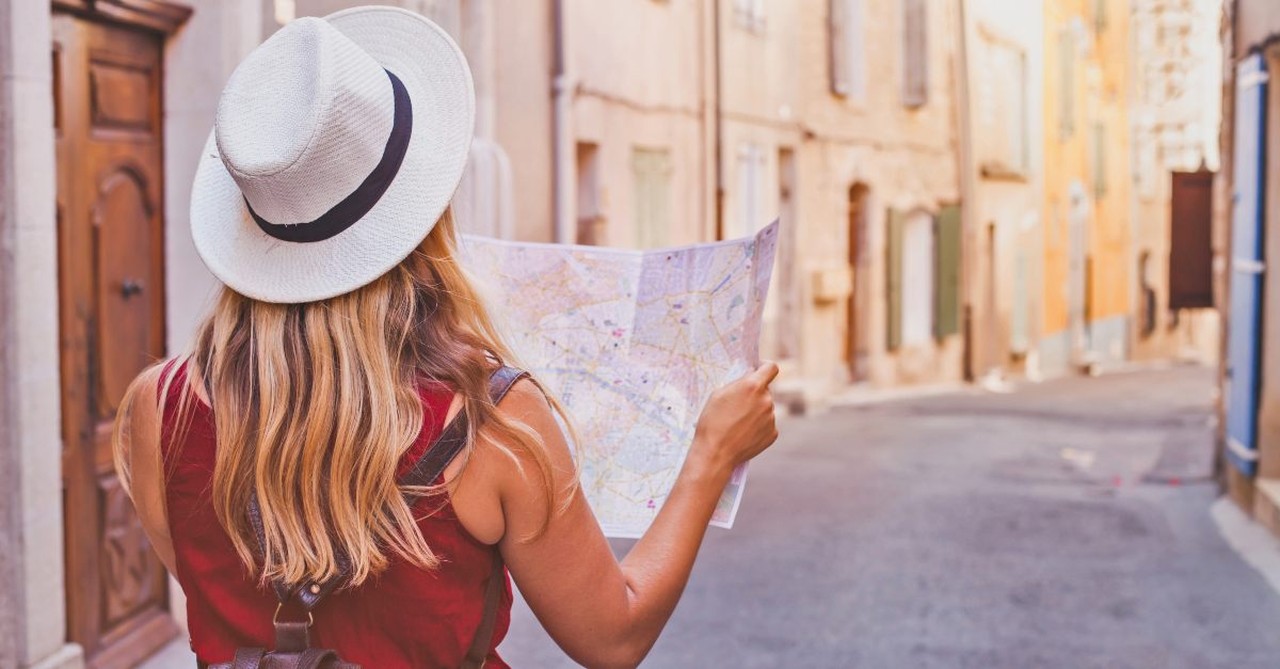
[(336, 147)]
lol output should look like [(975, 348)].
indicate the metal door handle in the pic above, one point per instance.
[(130, 287)]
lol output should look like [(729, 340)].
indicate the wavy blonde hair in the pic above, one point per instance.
[(315, 404)]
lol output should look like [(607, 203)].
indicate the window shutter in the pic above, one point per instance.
[(651, 178), (838, 37), (946, 320), (915, 46), (1191, 241), (640, 194), (660, 191), (1099, 160), (893, 333), (1066, 83)]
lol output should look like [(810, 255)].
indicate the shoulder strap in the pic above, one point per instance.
[(454, 438), (483, 639), (499, 384), (424, 472)]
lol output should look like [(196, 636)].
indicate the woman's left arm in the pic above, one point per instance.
[(140, 455)]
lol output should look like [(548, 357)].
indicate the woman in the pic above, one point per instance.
[(346, 340)]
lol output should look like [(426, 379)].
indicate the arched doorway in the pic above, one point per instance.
[(855, 341)]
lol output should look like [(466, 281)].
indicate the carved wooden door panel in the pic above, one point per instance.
[(110, 242)]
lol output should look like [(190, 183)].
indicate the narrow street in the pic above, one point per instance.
[(1064, 525)]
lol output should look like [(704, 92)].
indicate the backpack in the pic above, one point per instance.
[(293, 643)]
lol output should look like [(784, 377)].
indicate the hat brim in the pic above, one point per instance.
[(438, 81)]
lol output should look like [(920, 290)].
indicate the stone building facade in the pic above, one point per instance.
[(1086, 205), (1002, 177), (1175, 115), (906, 145)]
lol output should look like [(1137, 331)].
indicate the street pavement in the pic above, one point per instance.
[(1062, 525)]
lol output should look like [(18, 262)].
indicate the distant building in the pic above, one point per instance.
[(1175, 112), (1087, 181), (1002, 158), (837, 116)]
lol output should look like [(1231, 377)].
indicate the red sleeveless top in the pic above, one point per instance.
[(404, 617)]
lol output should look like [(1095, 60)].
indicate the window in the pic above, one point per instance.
[(591, 229), (918, 279), (1002, 109), (1099, 159), (1066, 83), (847, 40), (911, 285), (751, 164), (749, 14), (915, 54), (651, 177)]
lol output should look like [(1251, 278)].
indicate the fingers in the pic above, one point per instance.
[(765, 373)]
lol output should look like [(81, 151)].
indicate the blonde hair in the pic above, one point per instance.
[(315, 404)]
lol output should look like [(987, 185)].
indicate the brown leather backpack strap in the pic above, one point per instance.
[(316, 658), (454, 437), (482, 642), (248, 658)]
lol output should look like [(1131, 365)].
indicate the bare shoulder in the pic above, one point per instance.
[(529, 443), (140, 409), (526, 400), (138, 456)]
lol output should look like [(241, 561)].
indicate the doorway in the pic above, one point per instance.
[(855, 341), (108, 129)]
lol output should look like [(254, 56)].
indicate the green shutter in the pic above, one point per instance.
[(894, 283), (946, 317)]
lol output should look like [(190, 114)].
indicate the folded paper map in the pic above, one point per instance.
[(633, 343)]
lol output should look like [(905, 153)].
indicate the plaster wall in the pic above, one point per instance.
[(32, 611)]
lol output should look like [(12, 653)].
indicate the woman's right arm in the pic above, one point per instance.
[(601, 612)]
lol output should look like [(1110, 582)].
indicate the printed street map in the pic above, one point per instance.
[(633, 343)]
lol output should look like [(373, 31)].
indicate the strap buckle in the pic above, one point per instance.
[(275, 617)]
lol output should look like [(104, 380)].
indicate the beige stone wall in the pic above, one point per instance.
[(905, 157), (522, 89), (637, 83), (1005, 238), (1176, 83), (32, 613)]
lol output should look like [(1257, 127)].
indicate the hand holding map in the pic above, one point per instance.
[(633, 343)]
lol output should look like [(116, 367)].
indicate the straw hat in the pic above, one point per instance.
[(337, 145)]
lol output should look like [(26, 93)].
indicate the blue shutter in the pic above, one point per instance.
[(1244, 324)]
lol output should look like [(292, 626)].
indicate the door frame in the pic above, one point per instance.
[(159, 20)]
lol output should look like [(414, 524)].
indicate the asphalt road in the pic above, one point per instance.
[(1063, 525)]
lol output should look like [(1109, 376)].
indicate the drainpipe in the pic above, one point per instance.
[(719, 116), (562, 145), (968, 196)]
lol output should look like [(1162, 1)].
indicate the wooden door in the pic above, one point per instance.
[(111, 290), (1191, 241), (854, 342)]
